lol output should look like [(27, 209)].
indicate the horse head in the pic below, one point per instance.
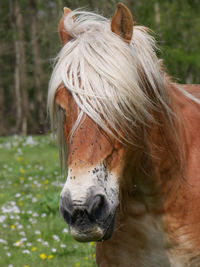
[(90, 197), (104, 93)]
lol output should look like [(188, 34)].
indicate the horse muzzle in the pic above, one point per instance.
[(92, 220)]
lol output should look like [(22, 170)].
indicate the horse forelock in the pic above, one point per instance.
[(116, 84)]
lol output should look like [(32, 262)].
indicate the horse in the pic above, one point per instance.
[(130, 138)]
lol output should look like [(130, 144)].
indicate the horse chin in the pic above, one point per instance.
[(89, 235), (96, 233)]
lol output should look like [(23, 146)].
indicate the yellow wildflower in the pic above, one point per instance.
[(77, 264), (50, 256), (43, 256), (33, 248), (22, 170), (18, 243), (20, 203), (12, 226)]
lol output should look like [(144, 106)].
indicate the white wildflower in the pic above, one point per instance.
[(17, 244), (2, 218), (23, 239), (10, 207), (29, 212), (65, 230), (19, 226), (56, 238), (22, 233), (26, 251), (3, 241), (45, 243), (37, 232), (34, 199)]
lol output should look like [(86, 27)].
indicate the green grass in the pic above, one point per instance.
[(32, 232)]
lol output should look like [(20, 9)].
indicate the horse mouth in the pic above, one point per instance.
[(87, 235), (97, 232)]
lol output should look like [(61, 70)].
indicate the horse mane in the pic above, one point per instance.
[(120, 86)]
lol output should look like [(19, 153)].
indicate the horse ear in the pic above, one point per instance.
[(64, 36), (122, 22)]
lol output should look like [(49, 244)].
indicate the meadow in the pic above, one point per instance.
[(32, 232)]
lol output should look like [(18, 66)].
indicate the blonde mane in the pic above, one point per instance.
[(107, 77)]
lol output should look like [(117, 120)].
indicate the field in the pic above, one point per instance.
[(32, 233)]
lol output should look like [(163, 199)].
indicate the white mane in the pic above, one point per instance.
[(107, 77)]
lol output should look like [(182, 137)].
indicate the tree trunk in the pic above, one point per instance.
[(20, 72), (17, 91), (37, 68), (17, 86), (2, 120), (157, 13)]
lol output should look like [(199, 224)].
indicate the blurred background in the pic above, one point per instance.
[(29, 42)]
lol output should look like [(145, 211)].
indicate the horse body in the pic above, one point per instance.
[(133, 144)]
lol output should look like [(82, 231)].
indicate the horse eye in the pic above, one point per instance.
[(61, 108)]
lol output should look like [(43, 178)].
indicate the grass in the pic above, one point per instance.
[(32, 232)]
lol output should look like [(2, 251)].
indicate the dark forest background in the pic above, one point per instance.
[(29, 42)]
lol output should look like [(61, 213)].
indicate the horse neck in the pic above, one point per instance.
[(158, 218), (155, 166)]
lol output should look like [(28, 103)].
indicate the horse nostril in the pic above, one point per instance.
[(97, 207), (79, 215), (65, 207), (65, 214), (92, 211)]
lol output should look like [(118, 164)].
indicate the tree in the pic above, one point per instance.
[(21, 79)]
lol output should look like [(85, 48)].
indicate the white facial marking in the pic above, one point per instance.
[(80, 183)]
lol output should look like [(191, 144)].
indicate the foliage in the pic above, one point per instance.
[(32, 232), (176, 24)]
